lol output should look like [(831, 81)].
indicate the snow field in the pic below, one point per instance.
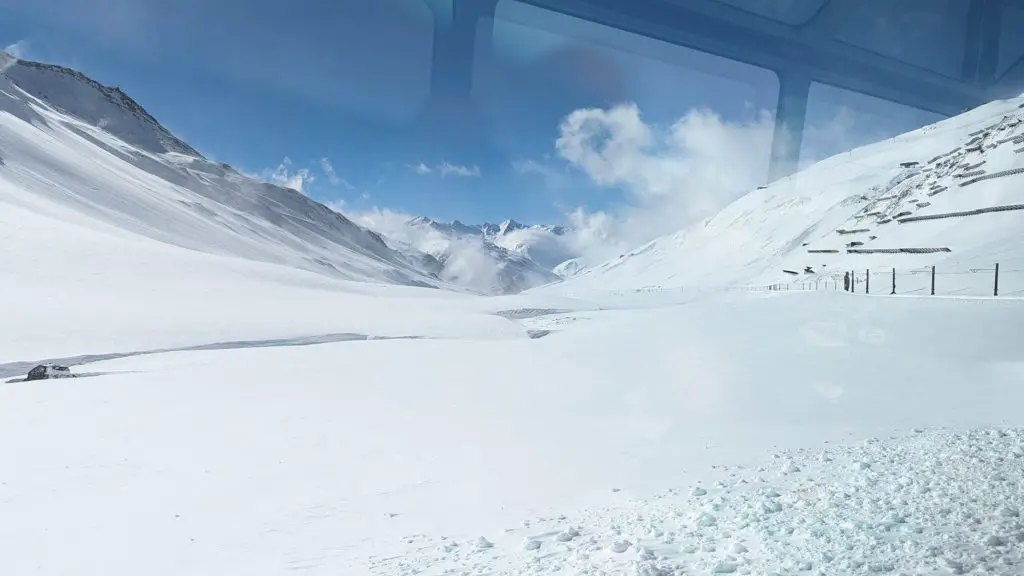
[(357, 457), (927, 502)]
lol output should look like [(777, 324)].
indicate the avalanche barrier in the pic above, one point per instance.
[(896, 250), (1000, 174), (974, 212)]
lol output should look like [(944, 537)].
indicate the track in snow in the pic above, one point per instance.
[(20, 368)]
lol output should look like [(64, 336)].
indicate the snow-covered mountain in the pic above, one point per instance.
[(431, 432), (570, 268), (88, 152), (479, 256), (947, 195), (91, 102), (545, 245)]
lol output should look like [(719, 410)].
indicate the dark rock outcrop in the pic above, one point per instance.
[(49, 371)]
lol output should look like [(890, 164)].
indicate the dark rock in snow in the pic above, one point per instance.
[(49, 371)]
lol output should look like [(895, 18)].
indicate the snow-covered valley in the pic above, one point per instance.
[(394, 457), (269, 387)]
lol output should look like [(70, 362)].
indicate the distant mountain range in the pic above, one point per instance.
[(544, 244), (521, 256), (527, 253)]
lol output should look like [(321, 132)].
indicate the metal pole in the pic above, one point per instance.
[(867, 281), (894, 280), (933, 280), (995, 289)]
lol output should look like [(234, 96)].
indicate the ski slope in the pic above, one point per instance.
[(809, 219)]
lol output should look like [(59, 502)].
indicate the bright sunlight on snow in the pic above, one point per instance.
[(265, 386)]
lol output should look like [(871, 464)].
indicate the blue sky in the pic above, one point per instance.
[(255, 82)]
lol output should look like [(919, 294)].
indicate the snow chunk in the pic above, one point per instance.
[(620, 546), (738, 548), (567, 535), (705, 519), (1008, 512), (993, 540), (724, 568), (790, 467)]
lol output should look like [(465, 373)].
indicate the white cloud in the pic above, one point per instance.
[(530, 167), (332, 177), (554, 177), (673, 176), (421, 168), (19, 49), (335, 180), (447, 169), (285, 175), (383, 220), (15, 51)]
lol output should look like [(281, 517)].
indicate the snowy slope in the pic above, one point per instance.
[(71, 285), (67, 142), (578, 455), (859, 196), (109, 248), (103, 106)]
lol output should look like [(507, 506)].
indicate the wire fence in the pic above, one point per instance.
[(977, 281), (922, 281)]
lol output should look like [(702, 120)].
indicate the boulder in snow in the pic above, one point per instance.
[(49, 371)]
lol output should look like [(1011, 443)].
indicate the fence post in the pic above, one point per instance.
[(867, 281), (995, 288), (893, 280), (933, 280)]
